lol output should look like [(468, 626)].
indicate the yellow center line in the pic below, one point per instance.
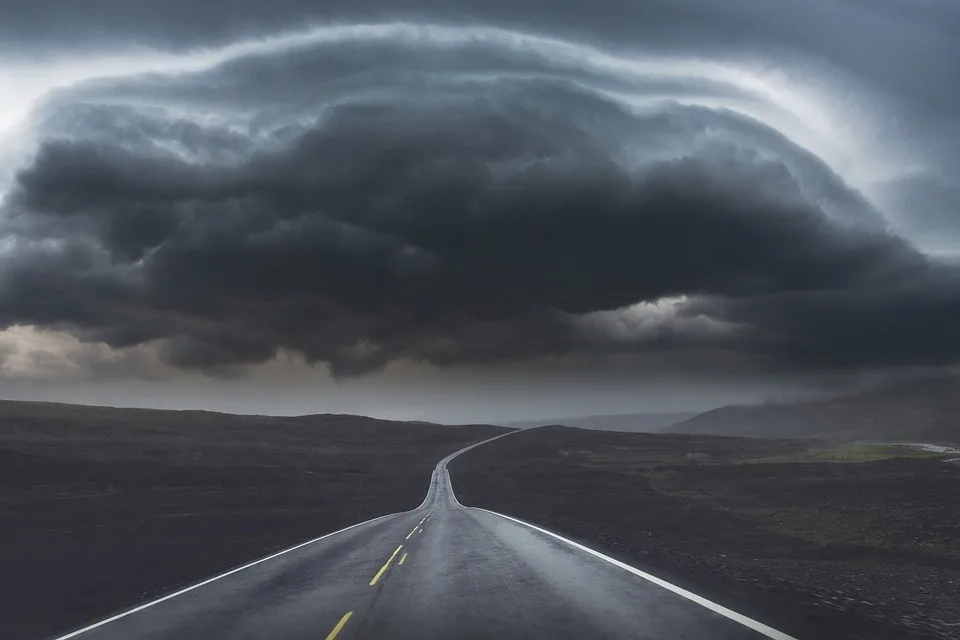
[(385, 566), (424, 518), (339, 627), (403, 557), (412, 532)]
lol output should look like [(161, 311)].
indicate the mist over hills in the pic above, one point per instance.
[(918, 410), (636, 422)]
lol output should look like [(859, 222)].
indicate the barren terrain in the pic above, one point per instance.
[(864, 540), (103, 508)]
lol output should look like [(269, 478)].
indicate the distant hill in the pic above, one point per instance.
[(636, 422), (115, 430), (921, 410)]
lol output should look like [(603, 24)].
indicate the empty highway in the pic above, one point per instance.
[(440, 571)]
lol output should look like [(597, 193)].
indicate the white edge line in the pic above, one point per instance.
[(93, 626), (750, 623), (759, 627), (433, 480)]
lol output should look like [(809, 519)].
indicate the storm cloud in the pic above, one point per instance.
[(361, 195)]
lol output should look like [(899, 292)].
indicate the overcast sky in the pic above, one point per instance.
[(469, 211)]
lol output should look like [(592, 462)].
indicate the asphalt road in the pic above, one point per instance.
[(439, 571)]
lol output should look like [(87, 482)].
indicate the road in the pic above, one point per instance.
[(439, 571)]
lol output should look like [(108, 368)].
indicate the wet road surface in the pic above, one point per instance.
[(439, 571)]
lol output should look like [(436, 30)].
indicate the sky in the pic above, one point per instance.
[(475, 211)]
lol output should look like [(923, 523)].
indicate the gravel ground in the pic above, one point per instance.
[(105, 508), (848, 550)]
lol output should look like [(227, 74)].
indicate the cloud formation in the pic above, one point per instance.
[(363, 195)]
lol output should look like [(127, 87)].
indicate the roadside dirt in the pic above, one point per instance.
[(105, 508), (854, 550)]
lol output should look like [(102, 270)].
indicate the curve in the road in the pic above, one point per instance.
[(480, 574)]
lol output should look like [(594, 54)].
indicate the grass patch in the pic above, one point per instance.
[(855, 453)]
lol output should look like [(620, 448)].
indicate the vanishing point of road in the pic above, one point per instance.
[(440, 571)]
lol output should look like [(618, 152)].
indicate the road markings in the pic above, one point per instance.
[(339, 627), (385, 566), (403, 557), (147, 605), (431, 490), (413, 531), (750, 623)]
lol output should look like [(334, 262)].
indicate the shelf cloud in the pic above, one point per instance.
[(462, 191)]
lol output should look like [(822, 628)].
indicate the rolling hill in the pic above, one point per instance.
[(635, 422), (920, 410)]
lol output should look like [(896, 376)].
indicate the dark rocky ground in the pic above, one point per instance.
[(852, 550), (103, 508)]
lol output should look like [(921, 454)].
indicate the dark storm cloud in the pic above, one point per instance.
[(903, 322), (452, 197)]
